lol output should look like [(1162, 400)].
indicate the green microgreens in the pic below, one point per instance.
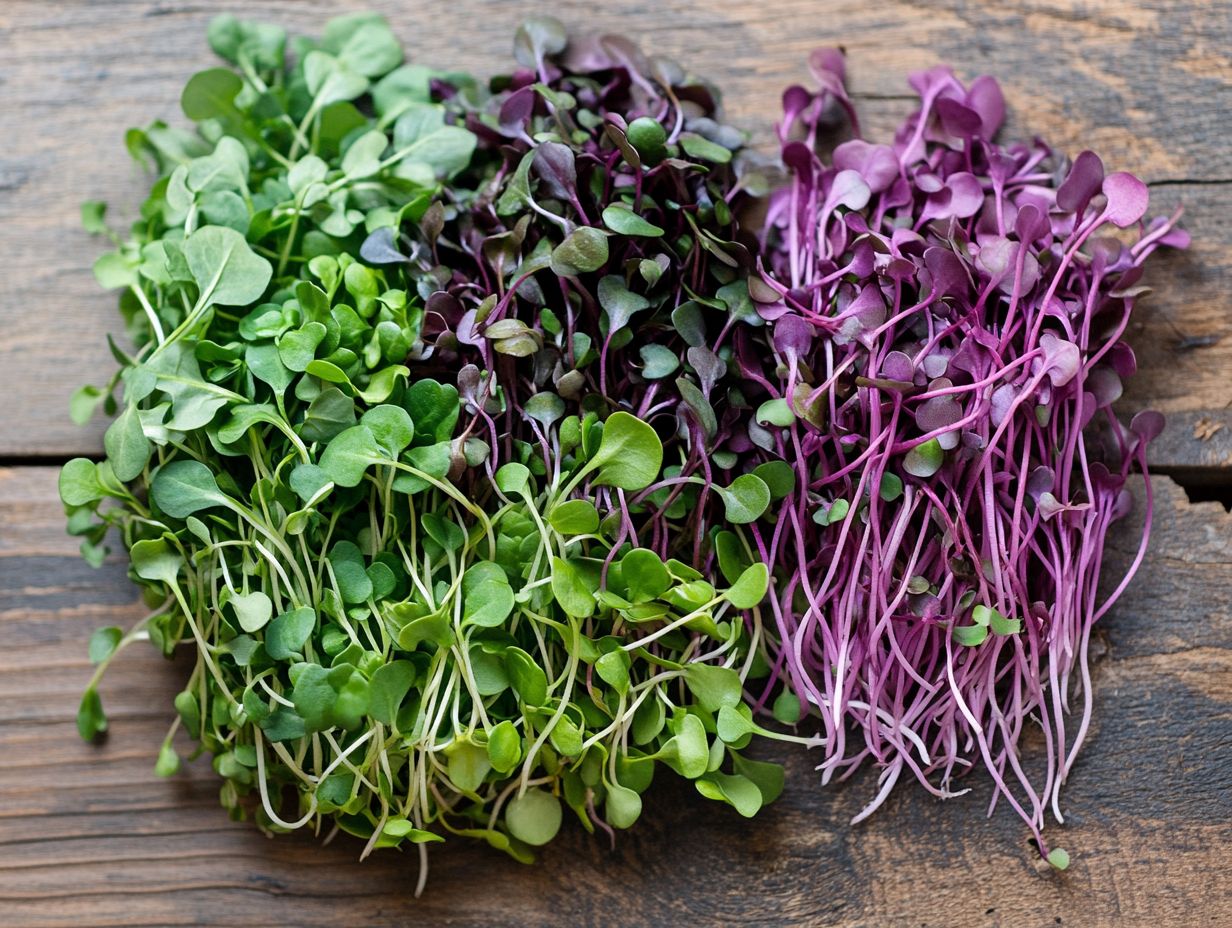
[(408, 640), (416, 663)]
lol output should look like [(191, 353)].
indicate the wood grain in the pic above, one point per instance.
[(90, 836), (1148, 84)]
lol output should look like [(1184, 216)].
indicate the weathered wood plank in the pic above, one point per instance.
[(88, 835), (1147, 84), (1195, 447)]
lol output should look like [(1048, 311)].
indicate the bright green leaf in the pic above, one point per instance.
[(629, 455), (626, 222), (750, 589)]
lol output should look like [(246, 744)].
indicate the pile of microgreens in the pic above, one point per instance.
[(410, 619), (948, 315)]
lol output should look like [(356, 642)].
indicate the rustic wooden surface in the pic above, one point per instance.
[(90, 837)]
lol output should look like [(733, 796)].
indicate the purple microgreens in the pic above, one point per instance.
[(945, 317), (600, 269)]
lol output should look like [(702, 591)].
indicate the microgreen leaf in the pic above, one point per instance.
[(390, 684), (153, 559), (534, 817), (924, 459), (468, 765), (574, 517), (613, 669), (778, 477), (648, 137), (699, 147), (287, 634), (211, 94), (226, 270), (504, 747), (970, 635), (537, 38), (775, 412), (995, 621), (103, 643), (486, 595), (182, 488), (79, 484), (433, 626), (787, 708), (330, 80), (626, 222), (253, 610), (566, 737), (732, 725), (619, 302), (750, 588), (93, 216), (891, 487), (168, 763), (391, 427), (545, 408), (583, 250), (349, 455), (745, 499), (658, 362), (512, 478), (347, 565), (767, 777), (644, 574), (127, 448), (622, 806), (713, 686), (688, 752), (526, 676), (737, 791), (91, 721), (629, 455), (571, 590)]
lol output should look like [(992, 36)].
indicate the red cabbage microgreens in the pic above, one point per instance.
[(947, 321), (598, 269)]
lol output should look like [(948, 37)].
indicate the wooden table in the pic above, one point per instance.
[(91, 837)]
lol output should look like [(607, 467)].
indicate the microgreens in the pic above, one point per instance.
[(480, 455), (428, 605), (945, 316)]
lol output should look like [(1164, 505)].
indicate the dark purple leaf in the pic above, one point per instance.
[(1062, 359), (958, 120), (708, 367), (1104, 385), (555, 167), (1147, 425), (517, 109), (793, 335), (946, 271), (1085, 177), (1031, 224)]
